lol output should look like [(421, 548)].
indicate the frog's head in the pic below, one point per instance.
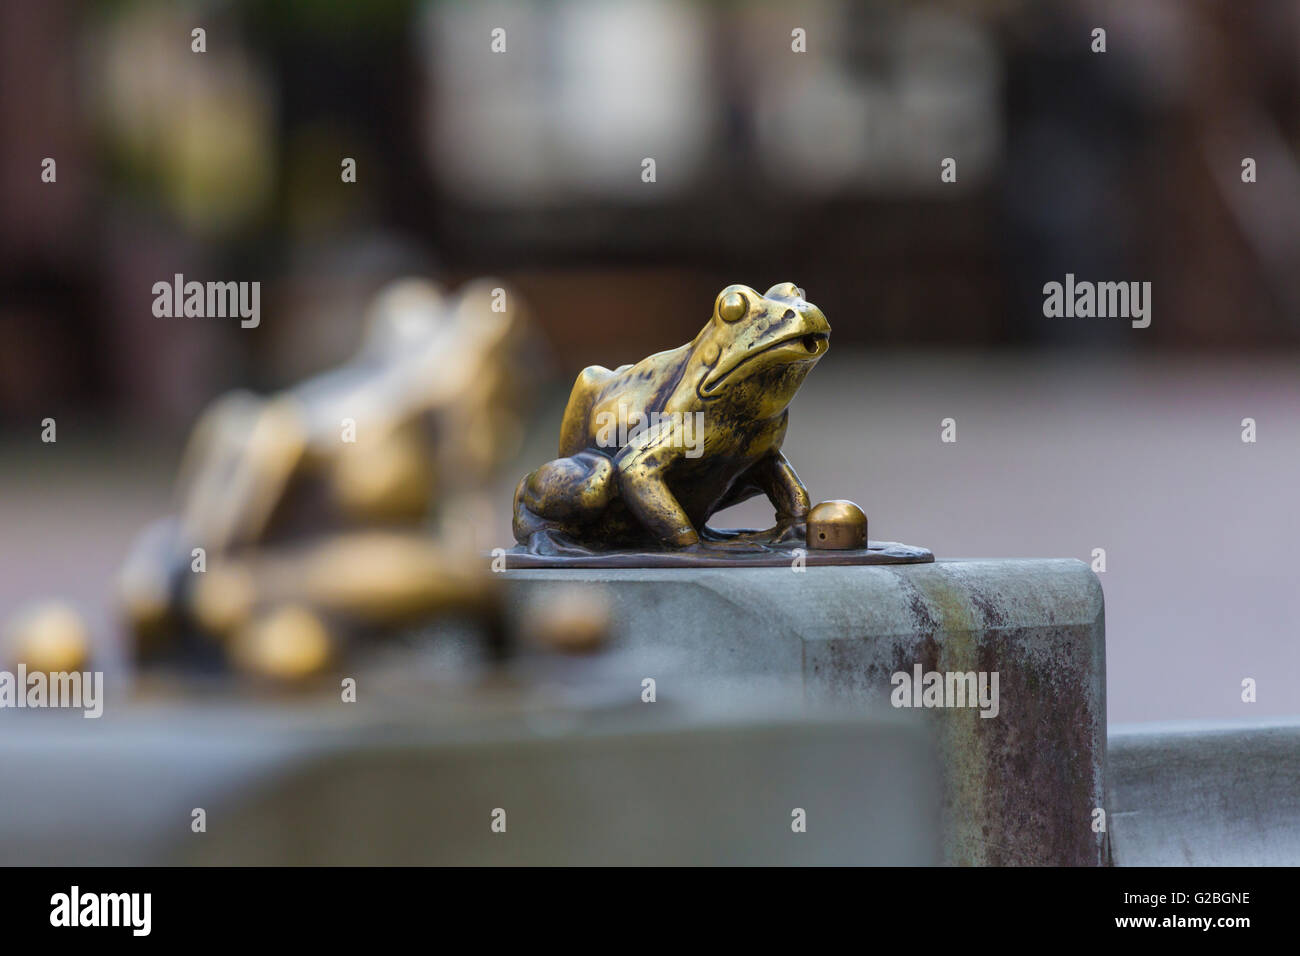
[(760, 347), (406, 314)]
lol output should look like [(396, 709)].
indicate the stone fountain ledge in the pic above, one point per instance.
[(1019, 787)]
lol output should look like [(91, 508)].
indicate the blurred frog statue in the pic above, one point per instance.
[(347, 501)]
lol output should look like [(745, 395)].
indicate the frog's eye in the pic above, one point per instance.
[(785, 290), (734, 306)]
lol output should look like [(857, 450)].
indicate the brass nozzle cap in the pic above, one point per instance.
[(837, 526)]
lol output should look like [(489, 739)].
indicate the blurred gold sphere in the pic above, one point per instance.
[(837, 525), (223, 598), (570, 620), (50, 637), (289, 644)]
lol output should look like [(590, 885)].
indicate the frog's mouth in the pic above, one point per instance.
[(801, 347)]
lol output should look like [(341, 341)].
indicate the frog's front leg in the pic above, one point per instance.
[(777, 479), (642, 480)]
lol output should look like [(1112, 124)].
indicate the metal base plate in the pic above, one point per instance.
[(764, 556)]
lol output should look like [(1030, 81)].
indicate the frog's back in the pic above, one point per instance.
[(647, 384), (623, 393)]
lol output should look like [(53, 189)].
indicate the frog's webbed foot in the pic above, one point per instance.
[(730, 539), (553, 543), (785, 531), (778, 535), (788, 531)]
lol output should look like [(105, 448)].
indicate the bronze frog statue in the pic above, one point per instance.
[(649, 452)]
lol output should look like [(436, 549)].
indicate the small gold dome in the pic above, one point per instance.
[(837, 526)]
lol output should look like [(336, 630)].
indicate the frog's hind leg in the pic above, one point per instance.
[(555, 503)]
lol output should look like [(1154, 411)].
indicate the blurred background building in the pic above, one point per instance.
[(820, 166)]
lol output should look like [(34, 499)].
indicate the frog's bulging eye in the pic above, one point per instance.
[(733, 307)]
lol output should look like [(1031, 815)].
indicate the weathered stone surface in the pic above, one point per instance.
[(1197, 794), (1019, 788), (407, 779)]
